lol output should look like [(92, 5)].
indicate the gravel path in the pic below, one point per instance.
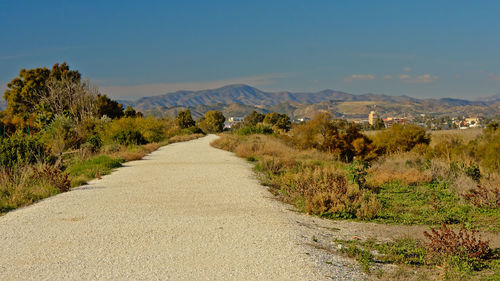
[(186, 212)]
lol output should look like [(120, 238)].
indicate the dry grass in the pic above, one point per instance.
[(308, 179), (404, 168), (23, 185), (181, 138), (465, 135)]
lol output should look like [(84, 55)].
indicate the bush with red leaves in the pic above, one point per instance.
[(445, 242)]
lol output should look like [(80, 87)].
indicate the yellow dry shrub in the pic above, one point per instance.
[(398, 168)]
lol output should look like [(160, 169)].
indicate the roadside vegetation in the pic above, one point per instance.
[(59, 132), (401, 175)]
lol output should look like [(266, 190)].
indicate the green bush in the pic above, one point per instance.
[(21, 149), (401, 138), (94, 142), (257, 129), (129, 137)]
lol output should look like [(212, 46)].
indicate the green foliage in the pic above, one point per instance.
[(24, 93), (252, 130), (184, 119), (21, 149), (379, 124), (278, 121), (338, 137), (425, 204), (136, 130), (363, 256), (129, 112), (129, 137), (401, 138), (83, 170), (253, 119), (108, 107), (61, 135), (94, 142), (21, 185), (357, 171), (488, 147), (402, 251), (212, 122)]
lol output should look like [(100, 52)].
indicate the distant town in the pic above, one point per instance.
[(375, 121)]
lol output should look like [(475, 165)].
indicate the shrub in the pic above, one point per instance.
[(356, 172), (184, 119), (444, 243), (484, 197), (401, 138), (129, 137), (327, 193), (61, 134), (338, 137), (253, 130), (212, 122), (488, 147), (21, 149), (404, 168), (151, 130), (94, 142), (21, 185), (52, 176)]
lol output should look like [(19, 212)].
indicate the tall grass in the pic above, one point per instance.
[(22, 185)]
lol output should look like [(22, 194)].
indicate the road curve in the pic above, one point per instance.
[(185, 212)]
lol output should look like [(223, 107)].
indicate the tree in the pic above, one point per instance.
[(401, 138), (213, 122), (379, 124), (184, 119), (253, 118), (129, 112), (278, 121), (108, 107), (40, 94), (338, 137), (25, 92)]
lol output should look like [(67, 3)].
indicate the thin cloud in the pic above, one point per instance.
[(359, 77), (426, 78), (388, 77), (423, 79), (144, 90), (407, 68), (494, 77), (386, 56)]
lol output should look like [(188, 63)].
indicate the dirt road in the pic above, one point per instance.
[(186, 212)]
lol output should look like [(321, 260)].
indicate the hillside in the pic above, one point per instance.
[(239, 100)]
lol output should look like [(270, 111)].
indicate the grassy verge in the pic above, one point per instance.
[(25, 184), (82, 169), (317, 184), (399, 189), (415, 262)]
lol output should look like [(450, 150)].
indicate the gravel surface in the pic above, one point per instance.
[(185, 212)]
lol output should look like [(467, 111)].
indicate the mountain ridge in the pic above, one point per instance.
[(241, 99)]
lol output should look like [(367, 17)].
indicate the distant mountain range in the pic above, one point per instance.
[(239, 100)]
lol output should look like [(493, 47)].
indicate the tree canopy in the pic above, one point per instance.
[(212, 122), (184, 119)]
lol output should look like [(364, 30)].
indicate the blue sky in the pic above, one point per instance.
[(140, 48)]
